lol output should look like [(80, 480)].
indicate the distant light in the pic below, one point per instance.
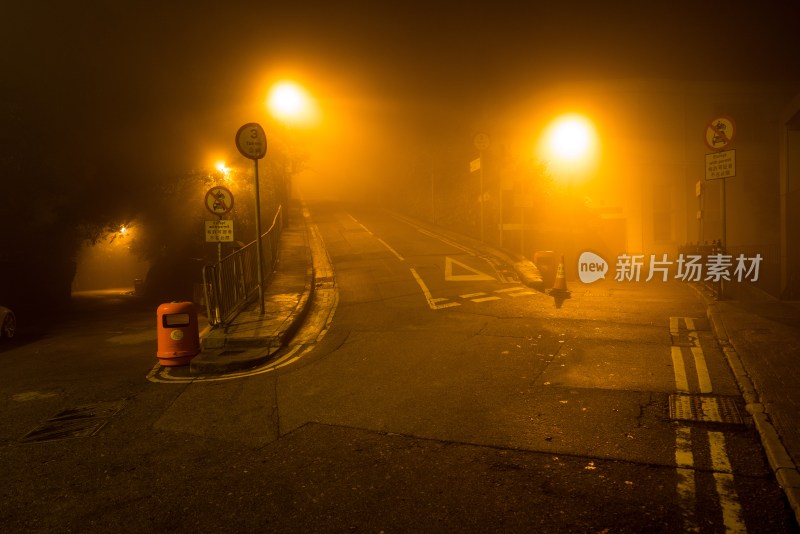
[(290, 103), (286, 99), (571, 137), (569, 145), (220, 166), (123, 230)]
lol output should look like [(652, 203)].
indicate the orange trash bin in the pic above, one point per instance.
[(178, 333)]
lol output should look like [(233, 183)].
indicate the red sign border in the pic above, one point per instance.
[(208, 194), (710, 126)]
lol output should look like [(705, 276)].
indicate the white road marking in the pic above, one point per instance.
[(359, 223), (522, 293), (485, 299), (382, 242), (475, 276), (393, 251), (431, 301)]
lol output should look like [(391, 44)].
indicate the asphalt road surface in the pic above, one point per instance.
[(433, 393)]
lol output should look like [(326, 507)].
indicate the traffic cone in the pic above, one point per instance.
[(560, 285)]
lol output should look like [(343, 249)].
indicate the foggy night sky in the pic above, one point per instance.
[(137, 86)]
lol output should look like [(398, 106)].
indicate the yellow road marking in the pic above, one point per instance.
[(703, 377), (687, 491), (728, 499), (681, 383)]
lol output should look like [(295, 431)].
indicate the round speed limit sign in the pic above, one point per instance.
[(251, 141), (481, 141)]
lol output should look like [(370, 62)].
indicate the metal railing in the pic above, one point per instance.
[(232, 282)]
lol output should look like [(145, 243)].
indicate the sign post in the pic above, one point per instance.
[(219, 200), (481, 141), (251, 141), (721, 165)]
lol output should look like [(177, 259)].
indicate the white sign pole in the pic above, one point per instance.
[(252, 144)]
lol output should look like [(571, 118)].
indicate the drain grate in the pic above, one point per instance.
[(704, 409), (80, 422)]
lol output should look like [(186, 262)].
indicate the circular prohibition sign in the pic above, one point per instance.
[(720, 132), (219, 200)]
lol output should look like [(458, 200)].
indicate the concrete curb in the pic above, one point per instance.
[(784, 469), (237, 355)]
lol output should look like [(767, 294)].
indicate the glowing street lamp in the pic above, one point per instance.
[(571, 138), (569, 146), (291, 104), (570, 143)]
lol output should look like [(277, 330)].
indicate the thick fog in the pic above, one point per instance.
[(106, 103)]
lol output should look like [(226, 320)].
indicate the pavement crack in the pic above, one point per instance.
[(643, 409)]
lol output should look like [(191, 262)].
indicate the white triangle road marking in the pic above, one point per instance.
[(450, 277)]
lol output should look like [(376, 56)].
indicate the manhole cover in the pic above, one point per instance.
[(704, 408), (80, 422)]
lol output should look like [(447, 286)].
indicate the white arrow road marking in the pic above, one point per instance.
[(450, 277)]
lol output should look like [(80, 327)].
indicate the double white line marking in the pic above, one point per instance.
[(684, 458)]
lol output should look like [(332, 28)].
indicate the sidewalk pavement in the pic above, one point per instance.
[(251, 338), (761, 340)]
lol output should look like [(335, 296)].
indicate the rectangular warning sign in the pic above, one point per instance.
[(219, 231), (721, 165)]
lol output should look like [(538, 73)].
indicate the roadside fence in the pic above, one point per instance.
[(232, 283)]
